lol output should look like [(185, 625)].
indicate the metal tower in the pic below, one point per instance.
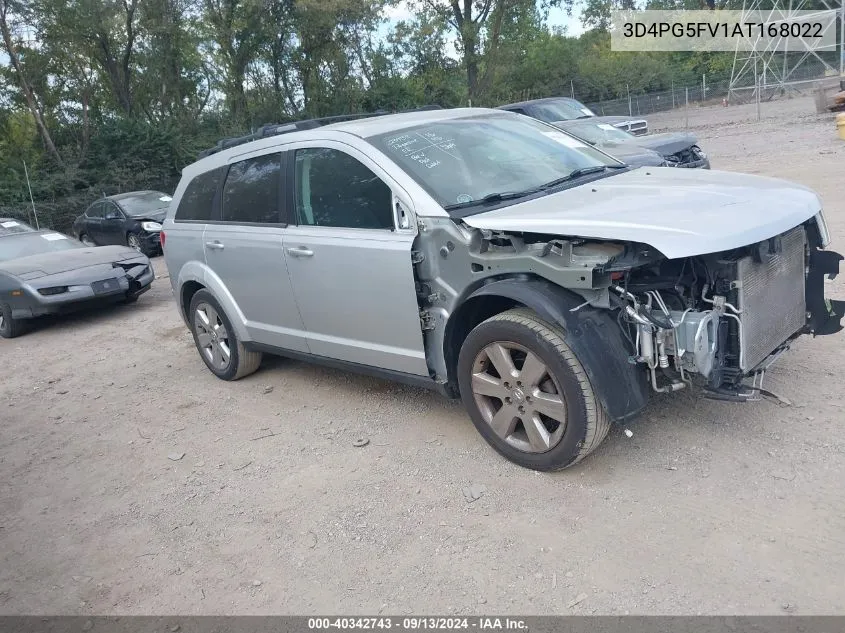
[(778, 71)]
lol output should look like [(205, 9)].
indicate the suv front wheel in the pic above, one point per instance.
[(216, 340), (528, 394)]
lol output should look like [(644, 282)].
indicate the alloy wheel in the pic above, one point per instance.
[(87, 240), (212, 337), (133, 242), (518, 397)]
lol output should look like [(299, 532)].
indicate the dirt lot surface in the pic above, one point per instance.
[(709, 508)]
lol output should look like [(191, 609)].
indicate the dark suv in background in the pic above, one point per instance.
[(131, 219)]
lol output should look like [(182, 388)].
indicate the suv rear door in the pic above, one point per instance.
[(349, 263), (243, 246)]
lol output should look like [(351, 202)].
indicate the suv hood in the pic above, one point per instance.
[(681, 213), (35, 266)]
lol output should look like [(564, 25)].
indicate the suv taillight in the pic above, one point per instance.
[(161, 239)]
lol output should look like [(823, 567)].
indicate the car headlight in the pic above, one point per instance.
[(152, 227), (824, 234)]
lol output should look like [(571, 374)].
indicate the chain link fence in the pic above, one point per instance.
[(714, 90)]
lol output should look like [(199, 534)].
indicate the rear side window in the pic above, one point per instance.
[(198, 199), (251, 192)]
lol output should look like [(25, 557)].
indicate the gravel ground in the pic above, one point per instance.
[(134, 482)]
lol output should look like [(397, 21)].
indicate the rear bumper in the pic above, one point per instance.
[(33, 304)]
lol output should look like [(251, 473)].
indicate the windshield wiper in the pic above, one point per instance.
[(577, 173), (493, 197)]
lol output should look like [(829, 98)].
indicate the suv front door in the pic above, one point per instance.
[(243, 247), (349, 264)]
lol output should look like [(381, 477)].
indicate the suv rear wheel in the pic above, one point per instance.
[(217, 342), (528, 394)]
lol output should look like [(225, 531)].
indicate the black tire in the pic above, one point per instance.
[(242, 362), (130, 299), (83, 236), (586, 424), (10, 327)]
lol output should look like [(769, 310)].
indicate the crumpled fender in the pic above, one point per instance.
[(592, 334)]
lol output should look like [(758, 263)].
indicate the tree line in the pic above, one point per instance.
[(102, 96)]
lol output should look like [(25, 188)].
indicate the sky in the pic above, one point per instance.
[(557, 17)]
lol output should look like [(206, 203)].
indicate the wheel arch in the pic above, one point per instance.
[(195, 276), (593, 336)]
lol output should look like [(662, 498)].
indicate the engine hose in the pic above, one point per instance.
[(664, 325)]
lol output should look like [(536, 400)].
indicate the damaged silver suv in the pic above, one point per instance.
[(499, 260)]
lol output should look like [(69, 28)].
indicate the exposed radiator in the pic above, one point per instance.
[(771, 297)]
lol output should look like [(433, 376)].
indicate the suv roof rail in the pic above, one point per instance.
[(274, 129)]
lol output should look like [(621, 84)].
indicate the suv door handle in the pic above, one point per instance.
[(300, 251), (215, 245)]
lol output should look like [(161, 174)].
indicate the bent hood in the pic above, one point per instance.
[(35, 266), (681, 213), (632, 154), (156, 215), (668, 143)]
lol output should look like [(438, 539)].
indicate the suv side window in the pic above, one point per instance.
[(198, 200), (251, 192), (335, 189), (96, 210)]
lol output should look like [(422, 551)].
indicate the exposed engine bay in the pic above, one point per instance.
[(716, 321), (716, 318)]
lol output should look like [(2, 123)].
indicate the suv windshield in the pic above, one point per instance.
[(460, 162), (26, 244), (145, 202), (597, 132), (561, 110)]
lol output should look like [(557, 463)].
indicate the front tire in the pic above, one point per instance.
[(86, 239), (528, 394), (9, 326), (216, 341), (133, 240)]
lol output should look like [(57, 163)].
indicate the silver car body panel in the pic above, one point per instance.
[(681, 213), (359, 298)]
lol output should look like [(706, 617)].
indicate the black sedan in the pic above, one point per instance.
[(44, 272), (673, 149), (132, 219)]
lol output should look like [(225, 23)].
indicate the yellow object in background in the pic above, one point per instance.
[(840, 125)]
